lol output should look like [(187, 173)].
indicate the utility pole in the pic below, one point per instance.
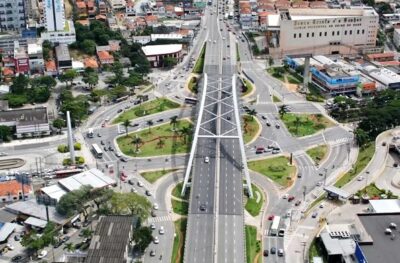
[(119, 176), (70, 140), (326, 171), (304, 192)]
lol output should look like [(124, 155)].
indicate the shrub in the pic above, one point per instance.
[(78, 160), (77, 146), (62, 148), (277, 168)]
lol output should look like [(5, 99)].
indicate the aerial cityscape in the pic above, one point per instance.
[(199, 131)]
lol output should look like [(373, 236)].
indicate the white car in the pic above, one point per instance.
[(322, 205), (206, 159), (153, 226), (155, 206), (360, 178), (156, 240), (319, 183), (161, 231), (139, 183), (285, 196), (42, 254), (3, 154), (10, 247)]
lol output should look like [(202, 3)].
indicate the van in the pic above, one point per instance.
[(280, 252), (206, 159), (281, 232)]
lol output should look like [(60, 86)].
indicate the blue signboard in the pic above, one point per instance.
[(360, 255)]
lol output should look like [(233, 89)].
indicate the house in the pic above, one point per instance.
[(151, 20), (102, 8), (81, 8), (105, 58), (91, 62), (51, 68), (13, 190)]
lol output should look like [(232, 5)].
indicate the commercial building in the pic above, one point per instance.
[(63, 57), (386, 77), (27, 122), (12, 15), (111, 240), (321, 31), (66, 36), (396, 37), (157, 53), (21, 60), (36, 61)]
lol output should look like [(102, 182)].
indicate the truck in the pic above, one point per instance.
[(90, 133), (275, 226)]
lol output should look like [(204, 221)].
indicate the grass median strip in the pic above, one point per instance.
[(158, 140), (198, 67), (305, 124), (251, 128), (180, 207), (147, 108), (153, 176), (277, 169), (318, 153), (254, 205), (179, 241), (364, 157), (253, 246), (247, 87)]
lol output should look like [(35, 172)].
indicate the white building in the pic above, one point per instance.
[(54, 15), (63, 37), (36, 61), (396, 37), (322, 31), (384, 76), (117, 4)]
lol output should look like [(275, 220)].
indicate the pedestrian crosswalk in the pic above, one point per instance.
[(160, 219), (340, 141)]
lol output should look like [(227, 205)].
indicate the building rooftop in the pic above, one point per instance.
[(13, 187), (104, 55), (34, 48), (323, 13), (5, 230), (383, 75), (335, 246), (24, 116), (62, 52), (384, 248), (385, 205), (154, 50), (110, 240), (91, 63)]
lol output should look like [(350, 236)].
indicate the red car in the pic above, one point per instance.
[(103, 125), (122, 178), (271, 217), (291, 198), (123, 174)]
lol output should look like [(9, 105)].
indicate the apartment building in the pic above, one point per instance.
[(12, 15), (322, 31), (54, 15)]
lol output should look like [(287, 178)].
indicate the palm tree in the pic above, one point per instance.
[(297, 123), (69, 247), (160, 143), (252, 113), (87, 233), (150, 123), (174, 122), (137, 141), (282, 110), (185, 131), (126, 125)]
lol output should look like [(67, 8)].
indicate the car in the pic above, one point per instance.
[(105, 148), (118, 154), (123, 159), (383, 143), (120, 110), (111, 148), (280, 252), (148, 193), (298, 202), (98, 135), (127, 107), (156, 240), (214, 41), (152, 253), (155, 206), (291, 198), (263, 117), (18, 258), (42, 254), (273, 250), (266, 252), (228, 118), (17, 238), (299, 175), (153, 213), (160, 120), (135, 125), (86, 223), (140, 184), (202, 207), (65, 239), (360, 178), (319, 183), (101, 142), (271, 217), (322, 205), (395, 165), (130, 182), (275, 151), (206, 159), (314, 215), (152, 226), (228, 46), (277, 126), (58, 244), (285, 196), (161, 231), (103, 125), (10, 247), (133, 190)]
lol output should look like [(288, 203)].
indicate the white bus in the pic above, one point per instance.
[(97, 152), (90, 133), (275, 226)]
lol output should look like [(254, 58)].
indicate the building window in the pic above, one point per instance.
[(363, 31), (294, 35), (358, 31), (345, 32), (299, 35), (312, 34), (308, 34), (326, 33), (320, 34), (333, 33), (351, 32), (338, 33)]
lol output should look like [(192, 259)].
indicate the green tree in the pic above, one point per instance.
[(185, 133), (361, 137), (282, 110), (130, 204), (35, 242), (297, 123), (68, 76), (149, 124), (134, 79), (5, 133), (20, 84), (90, 77), (15, 100), (58, 123), (270, 61), (252, 113), (174, 122), (44, 81), (88, 46), (160, 143), (126, 125), (117, 69), (70, 247), (142, 237), (137, 141), (169, 62), (47, 48), (74, 201)]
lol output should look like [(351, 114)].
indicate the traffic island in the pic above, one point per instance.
[(176, 192), (318, 153), (253, 245), (277, 169), (305, 124), (179, 240), (165, 139), (146, 108), (254, 205), (180, 207), (153, 176), (251, 128)]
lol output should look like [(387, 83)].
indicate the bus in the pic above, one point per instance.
[(275, 226), (97, 152), (90, 133), (66, 173), (121, 98), (192, 101)]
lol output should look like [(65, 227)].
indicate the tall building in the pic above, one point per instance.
[(321, 31), (54, 15), (12, 15)]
